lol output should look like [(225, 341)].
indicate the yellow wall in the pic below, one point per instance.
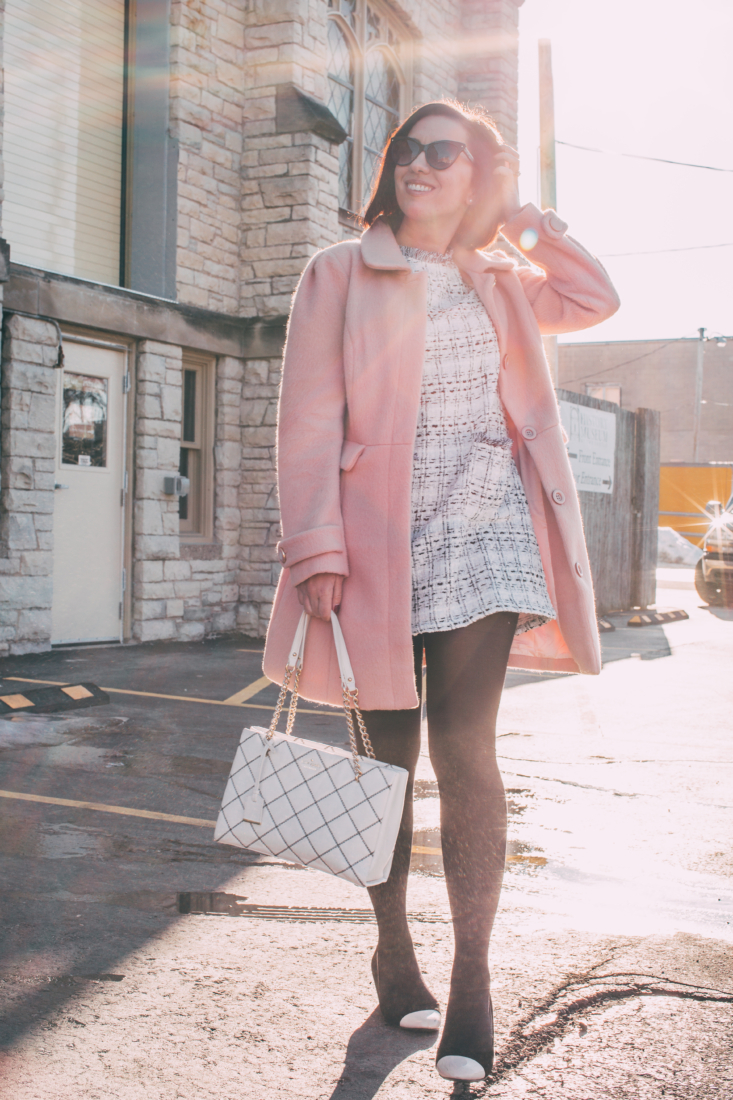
[(686, 490)]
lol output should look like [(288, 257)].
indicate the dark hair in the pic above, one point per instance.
[(480, 226)]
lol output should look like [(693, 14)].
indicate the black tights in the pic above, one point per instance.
[(465, 676)]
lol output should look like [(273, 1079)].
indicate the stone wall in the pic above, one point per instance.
[(182, 590), (290, 211), (156, 605), (207, 100), (489, 65), (436, 31), (254, 203), (260, 530), (289, 180), (27, 467)]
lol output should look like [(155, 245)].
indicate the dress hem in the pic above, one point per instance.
[(521, 628)]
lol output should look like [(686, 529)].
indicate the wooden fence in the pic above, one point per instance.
[(621, 526)]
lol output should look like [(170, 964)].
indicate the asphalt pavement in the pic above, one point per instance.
[(140, 959)]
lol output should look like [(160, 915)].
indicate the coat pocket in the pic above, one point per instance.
[(350, 453), (481, 486)]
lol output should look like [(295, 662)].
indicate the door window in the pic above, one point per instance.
[(84, 441)]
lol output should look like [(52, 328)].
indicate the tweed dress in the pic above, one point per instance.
[(474, 550)]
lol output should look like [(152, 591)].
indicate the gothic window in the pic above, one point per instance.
[(341, 103), (381, 111), (369, 67)]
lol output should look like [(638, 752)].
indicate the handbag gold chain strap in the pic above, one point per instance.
[(351, 702)]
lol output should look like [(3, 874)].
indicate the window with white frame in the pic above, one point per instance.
[(369, 90)]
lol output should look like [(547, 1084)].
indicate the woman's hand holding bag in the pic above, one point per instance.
[(320, 594), (317, 805)]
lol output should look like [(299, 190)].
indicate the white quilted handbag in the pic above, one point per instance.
[(319, 806)]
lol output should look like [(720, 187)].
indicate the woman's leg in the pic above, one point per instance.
[(395, 736), (466, 670)]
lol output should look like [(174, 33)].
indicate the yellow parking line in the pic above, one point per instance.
[(248, 692), (104, 808), (183, 698), (127, 811)]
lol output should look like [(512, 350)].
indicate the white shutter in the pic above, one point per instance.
[(64, 80)]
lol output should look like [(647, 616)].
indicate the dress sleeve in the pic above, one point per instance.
[(311, 424), (572, 290)]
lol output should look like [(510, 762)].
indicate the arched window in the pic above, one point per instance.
[(341, 103), (368, 66), (381, 111)]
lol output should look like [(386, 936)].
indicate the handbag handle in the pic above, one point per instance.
[(350, 692)]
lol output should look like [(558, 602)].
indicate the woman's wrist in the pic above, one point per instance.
[(511, 212)]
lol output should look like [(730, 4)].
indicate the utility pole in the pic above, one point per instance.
[(698, 392), (548, 184)]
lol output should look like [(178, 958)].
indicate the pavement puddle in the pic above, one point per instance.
[(51, 730)]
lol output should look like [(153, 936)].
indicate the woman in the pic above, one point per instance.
[(426, 492)]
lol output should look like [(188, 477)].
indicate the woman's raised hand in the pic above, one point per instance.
[(321, 594), (506, 175)]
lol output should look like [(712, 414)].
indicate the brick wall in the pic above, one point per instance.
[(661, 375)]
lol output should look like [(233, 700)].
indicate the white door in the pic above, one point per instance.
[(89, 497)]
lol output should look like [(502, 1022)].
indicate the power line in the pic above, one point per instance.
[(615, 366), (638, 156), (659, 251)]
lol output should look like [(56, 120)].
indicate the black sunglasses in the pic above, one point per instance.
[(439, 154)]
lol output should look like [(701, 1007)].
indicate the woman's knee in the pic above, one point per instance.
[(461, 769)]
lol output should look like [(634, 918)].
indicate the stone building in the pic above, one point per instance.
[(168, 168)]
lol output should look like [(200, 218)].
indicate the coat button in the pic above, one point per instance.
[(529, 433), (579, 569), (553, 224), (282, 555), (559, 497)]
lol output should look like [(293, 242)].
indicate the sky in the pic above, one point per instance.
[(652, 78)]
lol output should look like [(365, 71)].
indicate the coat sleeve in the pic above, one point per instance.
[(310, 425), (573, 290)]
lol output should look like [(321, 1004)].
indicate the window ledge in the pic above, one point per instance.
[(194, 550)]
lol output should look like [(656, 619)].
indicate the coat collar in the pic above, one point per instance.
[(379, 249)]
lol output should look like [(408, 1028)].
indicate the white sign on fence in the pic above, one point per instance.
[(591, 446)]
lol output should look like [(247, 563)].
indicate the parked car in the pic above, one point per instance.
[(714, 571)]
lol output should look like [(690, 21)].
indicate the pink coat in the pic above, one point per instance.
[(347, 419)]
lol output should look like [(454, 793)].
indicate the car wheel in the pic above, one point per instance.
[(708, 590)]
